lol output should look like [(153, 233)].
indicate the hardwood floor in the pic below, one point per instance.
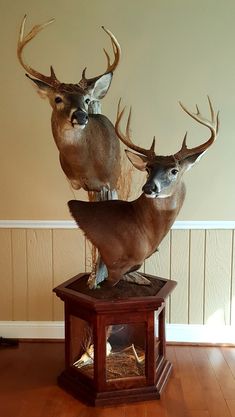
[(202, 385)]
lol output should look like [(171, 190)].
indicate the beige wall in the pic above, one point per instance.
[(171, 50)]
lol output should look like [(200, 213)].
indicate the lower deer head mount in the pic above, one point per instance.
[(127, 233)]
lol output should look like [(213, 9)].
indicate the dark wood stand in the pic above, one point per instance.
[(124, 322)]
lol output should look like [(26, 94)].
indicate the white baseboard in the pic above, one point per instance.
[(180, 333), (198, 333), (32, 329)]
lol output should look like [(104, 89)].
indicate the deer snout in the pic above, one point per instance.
[(150, 189), (79, 117)]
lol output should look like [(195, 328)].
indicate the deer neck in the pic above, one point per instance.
[(158, 214), (65, 135)]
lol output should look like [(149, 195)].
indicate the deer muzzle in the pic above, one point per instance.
[(150, 189), (79, 117)]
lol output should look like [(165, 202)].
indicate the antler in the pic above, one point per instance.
[(86, 82), (212, 124), (22, 41), (126, 139)]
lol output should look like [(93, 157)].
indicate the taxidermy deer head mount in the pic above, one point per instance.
[(127, 233), (165, 172), (88, 146)]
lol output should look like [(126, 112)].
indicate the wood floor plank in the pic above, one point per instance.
[(213, 396), (192, 389), (204, 369), (41, 402), (156, 408), (63, 404), (216, 404), (198, 413), (231, 406), (8, 406), (70, 407), (28, 374), (134, 410), (170, 354), (118, 411), (222, 371), (229, 355), (174, 402)]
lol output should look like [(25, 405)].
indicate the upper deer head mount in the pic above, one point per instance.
[(127, 233), (89, 149)]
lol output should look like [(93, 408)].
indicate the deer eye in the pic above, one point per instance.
[(58, 99), (87, 101), (174, 171)]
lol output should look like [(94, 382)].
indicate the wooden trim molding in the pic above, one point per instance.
[(70, 224), (37, 224), (175, 333)]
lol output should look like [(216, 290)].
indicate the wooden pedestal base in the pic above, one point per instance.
[(124, 337), (74, 385)]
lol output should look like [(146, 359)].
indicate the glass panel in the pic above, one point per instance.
[(81, 346), (156, 325), (156, 328), (125, 350)]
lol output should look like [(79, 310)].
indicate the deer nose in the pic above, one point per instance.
[(150, 188), (79, 117)]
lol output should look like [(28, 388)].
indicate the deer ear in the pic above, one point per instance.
[(101, 86), (43, 89), (190, 161), (139, 161)]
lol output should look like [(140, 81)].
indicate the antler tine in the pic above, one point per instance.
[(23, 40), (128, 129), (126, 139), (214, 117), (85, 82), (116, 51), (212, 124)]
